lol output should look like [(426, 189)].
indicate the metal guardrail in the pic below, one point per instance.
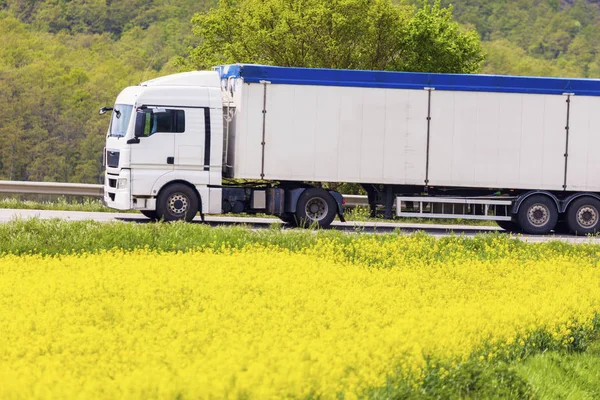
[(66, 189), (86, 189)]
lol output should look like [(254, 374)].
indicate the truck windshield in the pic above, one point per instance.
[(120, 119)]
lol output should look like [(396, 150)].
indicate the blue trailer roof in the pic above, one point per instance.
[(410, 80)]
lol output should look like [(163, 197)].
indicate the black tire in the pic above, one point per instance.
[(510, 226), (316, 206), (177, 202), (537, 215), (583, 216), (150, 214), (289, 219)]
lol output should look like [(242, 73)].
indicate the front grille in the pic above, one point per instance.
[(112, 158), (112, 183)]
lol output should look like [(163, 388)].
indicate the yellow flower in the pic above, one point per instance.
[(339, 317)]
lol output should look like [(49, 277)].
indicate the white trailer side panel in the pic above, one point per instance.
[(327, 135), (281, 109), (351, 131), (372, 141), (375, 135), (246, 159), (497, 140), (300, 139), (584, 139), (405, 136), (333, 134)]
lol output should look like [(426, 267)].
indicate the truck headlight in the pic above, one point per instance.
[(122, 183)]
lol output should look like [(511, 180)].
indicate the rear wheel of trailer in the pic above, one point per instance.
[(583, 216), (537, 215)]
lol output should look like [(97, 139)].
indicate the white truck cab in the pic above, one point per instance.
[(166, 132)]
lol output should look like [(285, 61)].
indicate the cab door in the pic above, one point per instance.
[(192, 147), (153, 149)]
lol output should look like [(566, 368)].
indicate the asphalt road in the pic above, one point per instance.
[(7, 215)]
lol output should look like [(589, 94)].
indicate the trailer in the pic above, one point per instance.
[(517, 150)]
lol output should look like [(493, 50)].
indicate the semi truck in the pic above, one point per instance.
[(252, 139)]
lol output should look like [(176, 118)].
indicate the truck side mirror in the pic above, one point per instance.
[(140, 124), (103, 110)]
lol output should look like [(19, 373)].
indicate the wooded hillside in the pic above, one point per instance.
[(61, 60), (536, 37)]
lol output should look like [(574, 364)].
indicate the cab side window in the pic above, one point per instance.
[(166, 121)]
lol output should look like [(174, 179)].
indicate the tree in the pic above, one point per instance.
[(436, 43), (347, 34)]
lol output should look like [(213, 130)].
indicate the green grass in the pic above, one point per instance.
[(563, 375), (60, 236), (58, 204), (56, 236), (545, 373)]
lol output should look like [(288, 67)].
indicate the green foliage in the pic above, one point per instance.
[(472, 379), (535, 37), (60, 62), (437, 43), (51, 86), (348, 34), (532, 367), (101, 16)]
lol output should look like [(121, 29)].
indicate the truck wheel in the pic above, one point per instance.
[(583, 216), (316, 206), (537, 215), (177, 202), (149, 214)]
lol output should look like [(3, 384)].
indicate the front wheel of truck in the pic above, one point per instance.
[(177, 202)]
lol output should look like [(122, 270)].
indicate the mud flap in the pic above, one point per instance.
[(339, 199)]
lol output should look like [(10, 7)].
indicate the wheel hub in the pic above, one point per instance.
[(178, 203), (587, 216), (316, 209), (538, 215)]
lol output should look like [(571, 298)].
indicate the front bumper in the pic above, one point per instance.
[(116, 197)]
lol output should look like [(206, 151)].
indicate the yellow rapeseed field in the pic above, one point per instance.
[(264, 322)]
